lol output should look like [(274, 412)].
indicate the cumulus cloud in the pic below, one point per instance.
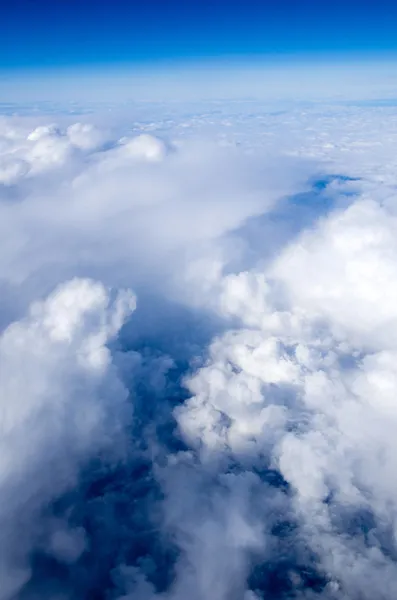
[(62, 403), (231, 435), (307, 381)]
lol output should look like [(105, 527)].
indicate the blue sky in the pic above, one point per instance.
[(50, 33)]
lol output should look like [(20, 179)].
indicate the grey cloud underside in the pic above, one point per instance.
[(197, 358)]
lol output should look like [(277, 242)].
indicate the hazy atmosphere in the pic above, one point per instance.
[(198, 300)]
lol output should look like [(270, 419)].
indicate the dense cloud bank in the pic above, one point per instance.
[(198, 358)]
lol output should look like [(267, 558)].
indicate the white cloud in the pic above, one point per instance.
[(61, 404), (131, 215), (85, 136), (308, 380)]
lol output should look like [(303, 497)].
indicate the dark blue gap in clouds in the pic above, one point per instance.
[(263, 237), (120, 506)]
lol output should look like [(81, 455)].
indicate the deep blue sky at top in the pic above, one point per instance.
[(70, 33)]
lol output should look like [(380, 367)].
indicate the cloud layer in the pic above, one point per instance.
[(228, 432)]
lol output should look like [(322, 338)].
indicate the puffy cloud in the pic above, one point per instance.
[(85, 136), (308, 382), (27, 153), (145, 147), (61, 403)]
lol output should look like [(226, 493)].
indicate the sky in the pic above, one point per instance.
[(70, 33)]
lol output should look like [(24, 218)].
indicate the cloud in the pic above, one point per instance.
[(231, 435), (307, 381), (125, 214), (61, 403)]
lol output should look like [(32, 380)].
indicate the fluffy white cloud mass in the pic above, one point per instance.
[(230, 434)]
